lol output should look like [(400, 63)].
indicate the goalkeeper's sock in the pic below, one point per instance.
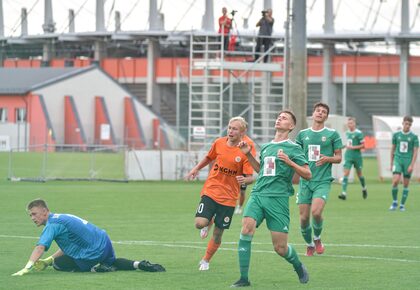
[(307, 234), (125, 264), (394, 193), (404, 195), (292, 257), (212, 247), (344, 184), (244, 253), (317, 227)]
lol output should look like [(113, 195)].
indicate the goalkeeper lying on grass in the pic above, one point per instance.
[(83, 246)]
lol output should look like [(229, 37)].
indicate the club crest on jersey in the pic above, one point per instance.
[(226, 219), (238, 158), (324, 138)]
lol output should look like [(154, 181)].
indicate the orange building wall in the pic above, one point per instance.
[(102, 118), (12, 103), (40, 132), (376, 67)]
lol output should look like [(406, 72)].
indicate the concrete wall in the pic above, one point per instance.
[(84, 88)]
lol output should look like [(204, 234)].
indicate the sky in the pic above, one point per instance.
[(350, 15)]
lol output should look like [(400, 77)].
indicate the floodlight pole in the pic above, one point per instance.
[(404, 92), (286, 57), (298, 69), (71, 21)]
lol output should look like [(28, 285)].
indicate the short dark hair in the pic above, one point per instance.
[(351, 119), (408, 119), (37, 203), (323, 105), (291, 114)]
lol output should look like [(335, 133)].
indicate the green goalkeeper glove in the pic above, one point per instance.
[(42, 264), (28, 268)]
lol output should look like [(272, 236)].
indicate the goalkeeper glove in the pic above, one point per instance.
[(42, 264), (28, 268)]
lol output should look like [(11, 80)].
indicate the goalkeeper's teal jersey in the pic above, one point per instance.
[(405, 144), (353, 138), (315, 144), (76, 237), (275, 176)]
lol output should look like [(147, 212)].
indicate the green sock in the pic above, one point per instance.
[(292, 257), (394, 193), (362, 181), (317, 227), (404, 195), (307, 234), (244, 253), (344, 184)]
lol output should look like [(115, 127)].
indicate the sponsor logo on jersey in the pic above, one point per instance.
[(324, 138), (225, 170), (307, 138), (285, 228), (238, 159)]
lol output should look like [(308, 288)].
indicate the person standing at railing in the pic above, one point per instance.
[(225, 24), (266, 29)]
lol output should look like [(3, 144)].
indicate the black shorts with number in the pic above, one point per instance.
[(207, 208)]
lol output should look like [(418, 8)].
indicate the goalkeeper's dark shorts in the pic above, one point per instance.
[(68, 264)]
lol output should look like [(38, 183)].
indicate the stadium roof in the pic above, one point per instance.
[(20, 81)]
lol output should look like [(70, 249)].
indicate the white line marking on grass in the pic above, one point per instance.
[(19, 237), (191, 245), (176, 245), (294, 244)]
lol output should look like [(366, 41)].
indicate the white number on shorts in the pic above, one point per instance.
[(200, 208)]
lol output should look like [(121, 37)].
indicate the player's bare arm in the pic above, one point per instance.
[(413, 161), (246, 149), (392, 156), (330, 159), (356, 147), (302, 171), (57, 254), (247, 179), (37, 253), (194, 172)]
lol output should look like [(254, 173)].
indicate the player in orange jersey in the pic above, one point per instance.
[(221, 189)]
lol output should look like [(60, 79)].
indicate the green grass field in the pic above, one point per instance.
[(367, 247)]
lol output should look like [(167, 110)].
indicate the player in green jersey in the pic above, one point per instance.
[(353, 157), (322, 147), (404, 150), (269, 199)]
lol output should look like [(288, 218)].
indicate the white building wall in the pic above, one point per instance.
[(84, 88)]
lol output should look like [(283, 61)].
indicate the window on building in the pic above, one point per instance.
[(20, 115), (3, 115)]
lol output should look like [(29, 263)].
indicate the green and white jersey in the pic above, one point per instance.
[(275, 176), (315, 143), (354, 138), (404, 144)]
